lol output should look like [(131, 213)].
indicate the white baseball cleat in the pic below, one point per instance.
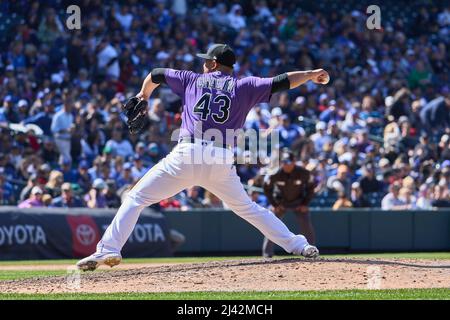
[(310, 251), (95, 260)]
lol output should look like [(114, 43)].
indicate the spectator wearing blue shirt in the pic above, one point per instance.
[(68, 173), (289, 132), (82, 177), (67, 199), (141, 151), (126, 176), (43, 119), (7, 111), (258, 197), (6, 192)]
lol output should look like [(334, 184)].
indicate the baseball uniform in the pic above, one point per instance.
[(216, 101)]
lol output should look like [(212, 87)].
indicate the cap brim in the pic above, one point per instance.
[(204, 56)]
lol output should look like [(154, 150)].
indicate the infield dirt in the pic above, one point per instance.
[(248, 275)]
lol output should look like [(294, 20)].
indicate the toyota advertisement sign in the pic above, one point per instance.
[(74, 233)]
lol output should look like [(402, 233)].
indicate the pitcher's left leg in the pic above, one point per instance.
[(268, 246), (231, 191)]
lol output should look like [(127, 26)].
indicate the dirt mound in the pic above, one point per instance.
[(250, 275)]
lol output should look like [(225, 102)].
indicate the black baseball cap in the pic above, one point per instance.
[(222, 53)]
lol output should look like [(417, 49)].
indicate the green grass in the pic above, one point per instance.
[(23, 274), (128, 260), (401, 294), (403, 255)]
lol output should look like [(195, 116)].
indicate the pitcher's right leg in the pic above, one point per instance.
[(157, 184)]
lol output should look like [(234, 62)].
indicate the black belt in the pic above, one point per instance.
[(192, 139)]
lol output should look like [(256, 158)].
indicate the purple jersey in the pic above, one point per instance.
[(216, 100)]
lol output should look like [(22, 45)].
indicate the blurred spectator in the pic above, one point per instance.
[(406, 195), (257, 197), (342, 202), (138, 170), (108, 59), (6, 192), (124, 17), (235, 18), (95, 198), (387, 87), (424, 198), (67, 199), (289, 132), (62, 126), (35, 199), (435, 115), (320, 138), (170, 203), (368, 182), (47, 200), (69, 175), (192, 200), (357, 197), (112, 199), (90, 146), (43, 119), (125, 177), (49, 152), (441, 197), (341, 181), (26, 191), (53, 186), (392, 200), (212, 201), (118, 145), (82, 177)]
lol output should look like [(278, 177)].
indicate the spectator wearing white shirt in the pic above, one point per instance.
[(138, 170), (263, 12), (108, 60), (320, 137), (124, 17), (424, 199), (219, 15), (118, 145), (392, 201), (179, 7), (236, 20), (407, 196), (61, 127)]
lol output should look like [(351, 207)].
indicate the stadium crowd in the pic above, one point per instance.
[(377, 135)]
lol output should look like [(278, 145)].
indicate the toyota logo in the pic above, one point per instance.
[(85, 234)]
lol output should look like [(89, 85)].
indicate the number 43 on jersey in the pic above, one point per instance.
[(202, 108)]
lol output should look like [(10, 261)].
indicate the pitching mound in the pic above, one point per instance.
[(250, 275)]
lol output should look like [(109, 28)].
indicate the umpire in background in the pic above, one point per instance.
[(291, 188)]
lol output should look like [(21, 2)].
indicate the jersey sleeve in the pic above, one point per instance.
[(255, 90), (178, 80)]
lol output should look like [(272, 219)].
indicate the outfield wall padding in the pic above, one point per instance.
[(346, 230), (72, 233)]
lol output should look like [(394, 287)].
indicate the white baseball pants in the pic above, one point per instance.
[(202, 165)]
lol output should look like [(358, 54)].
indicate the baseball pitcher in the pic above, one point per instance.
[(213, 101)]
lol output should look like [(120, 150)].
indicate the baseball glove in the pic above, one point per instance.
[(136, 111)]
